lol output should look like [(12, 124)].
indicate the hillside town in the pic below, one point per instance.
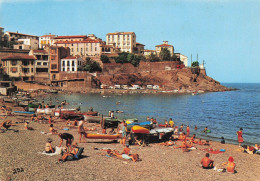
[(86, 62)]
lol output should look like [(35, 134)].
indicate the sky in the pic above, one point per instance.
[(223, 33)]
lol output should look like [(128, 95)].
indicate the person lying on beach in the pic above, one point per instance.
[(206, 162), (168, 143), (72, 152), (6, 124), (126, 154), (137, 141), (34, 118), (183, 146), (192, 139), (230, 165), (48, 146), (203, 143), (68, 137), (52, 130)]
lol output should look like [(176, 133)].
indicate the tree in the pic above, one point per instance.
[(91, 66), (122, 57), (153, 58), (104, 59), (195, 64), (165, 54)]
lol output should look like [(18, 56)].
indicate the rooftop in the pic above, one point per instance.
[(70, 57), (74, 36), (48, 36), (16, 33), (122, 33), (40, 51), (164, 45), (83, 41), (139, 44), (19, 57)]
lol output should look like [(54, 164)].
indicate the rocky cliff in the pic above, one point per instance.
[(180, 79)]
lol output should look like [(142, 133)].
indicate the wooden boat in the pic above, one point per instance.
[(23, 113), (92, 119), (57, 112), (139, 129), (103, 136)]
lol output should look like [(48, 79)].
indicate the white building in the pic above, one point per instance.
[(46, 40), (125, 41), (27, 44), (71, 64), (182, 58)]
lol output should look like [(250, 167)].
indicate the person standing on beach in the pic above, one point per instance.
[(188, 131), (240, 137), (171, 123), (81, 130), (68, 137)]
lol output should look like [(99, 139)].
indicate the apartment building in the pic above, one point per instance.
[(11, 38), (19, 67), (41, 65), (165, 44), (71, 64), (46, 40), (81, 45), (125, 41), (55, 55), (27, 44)]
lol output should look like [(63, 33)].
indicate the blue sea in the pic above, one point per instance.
[(222, 112)]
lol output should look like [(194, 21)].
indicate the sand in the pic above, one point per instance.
[(19, 150)]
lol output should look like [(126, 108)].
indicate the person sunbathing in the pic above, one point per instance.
[(126, 154), (137, 141), (203, 143), (48, 146), (206, 162), (6, 124), (168, 143), (182, 136), (192, 139), (183, 146), (72, 152), (230, 165)]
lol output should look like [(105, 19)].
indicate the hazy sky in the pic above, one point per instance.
[(225, 33)]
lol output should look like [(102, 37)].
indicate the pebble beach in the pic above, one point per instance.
[(21, 158)]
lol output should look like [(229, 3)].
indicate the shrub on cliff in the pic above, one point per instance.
[(165, 54), (91, 66), (125, 57), (195, 64), (104, 59)]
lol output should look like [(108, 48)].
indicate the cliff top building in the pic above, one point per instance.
[(46, 40), (165, 44)]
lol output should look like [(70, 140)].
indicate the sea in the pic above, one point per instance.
[(224, 113)]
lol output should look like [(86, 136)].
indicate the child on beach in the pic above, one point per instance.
[(230, 165), (52, 130), (206, 162), (48, 146)]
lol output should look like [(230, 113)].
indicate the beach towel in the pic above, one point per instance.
[(58, 151)]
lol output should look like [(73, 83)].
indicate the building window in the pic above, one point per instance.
[(72, 68), (63, 69), (45, 63), (95, 48), (87, 49), (71, 49), (14, 70), (81, 50), (31, 69), (53, 66), (39, 63), (63, 63), (14, 62), (68, 63), (72, 63), (77, 49)]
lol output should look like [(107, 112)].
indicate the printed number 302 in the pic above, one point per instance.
[(18, 170)]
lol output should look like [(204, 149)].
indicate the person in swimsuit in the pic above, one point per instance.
[(171, 123), (81, 130), (188, 131), (240, 137), (73, 152), (6, 124), (126, 154), (68, 137), (206, 162), (48, 146), (230, 165)]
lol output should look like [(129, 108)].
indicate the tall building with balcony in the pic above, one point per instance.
[(165, 44), (46, 40), (71, 64), (125, 41), (81, 45), (41, 65), (19, 67)]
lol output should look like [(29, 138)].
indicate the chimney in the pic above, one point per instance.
[(165, 42)]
